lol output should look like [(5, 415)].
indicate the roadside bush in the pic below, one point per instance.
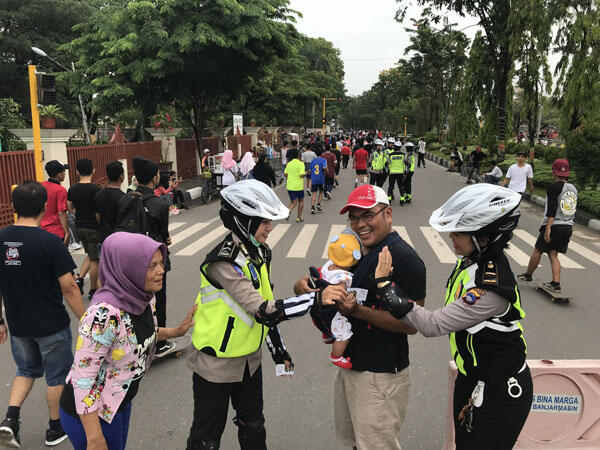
[(583, 152), (589, 200), (431, 137), (552, 153), (542, 175), (434, 146), (513, 147)]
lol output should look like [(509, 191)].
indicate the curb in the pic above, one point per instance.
[(581, 217)]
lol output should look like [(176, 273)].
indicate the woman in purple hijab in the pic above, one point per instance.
[(116, 343)]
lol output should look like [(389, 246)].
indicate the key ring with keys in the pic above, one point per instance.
[(513, 385)]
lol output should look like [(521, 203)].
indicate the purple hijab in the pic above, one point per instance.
[(124, 263)]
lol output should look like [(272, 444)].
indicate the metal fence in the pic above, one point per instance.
[(103, 154), (187, 166), (15, 167)]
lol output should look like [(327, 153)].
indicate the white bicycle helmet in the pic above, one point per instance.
[(254, 198), (391, 140), (478, 207), (378, 142)]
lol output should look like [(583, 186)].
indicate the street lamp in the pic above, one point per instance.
[(41, 52)]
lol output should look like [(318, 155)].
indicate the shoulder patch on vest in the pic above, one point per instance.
[(227, 249), (490, 273), (238, 270), (472, 295)]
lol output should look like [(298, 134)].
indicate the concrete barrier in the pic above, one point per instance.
[(565, 413)]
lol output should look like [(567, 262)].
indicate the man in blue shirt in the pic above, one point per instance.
[(317, 179)]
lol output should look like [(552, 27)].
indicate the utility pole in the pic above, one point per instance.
[(35, 123), (405, 119), (324, 100)]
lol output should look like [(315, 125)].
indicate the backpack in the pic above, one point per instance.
[(132, 216)]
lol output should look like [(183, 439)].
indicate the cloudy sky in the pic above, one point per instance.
[(369, 38)]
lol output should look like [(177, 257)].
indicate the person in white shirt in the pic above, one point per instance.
[(494, 175), (519, 175), (421, 153)]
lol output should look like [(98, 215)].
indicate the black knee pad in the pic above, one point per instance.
[(251, 430)]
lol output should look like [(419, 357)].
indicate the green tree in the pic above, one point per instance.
[(578, 42), (197, 56), (39, 23), (583, 152), (494, 19), (10, 117)]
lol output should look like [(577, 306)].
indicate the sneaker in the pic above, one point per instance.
[(183, 206), (319, 209), (91, 294), (309, 193), (9, 433), (299, 220), (337, 183), (55, 437), (313, 210), (163, 347), (74, 247), (340, 361), (525, 277), (327, 195), (555, 287)]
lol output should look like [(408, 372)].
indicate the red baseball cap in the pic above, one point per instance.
[(560, 167), (365, 197)]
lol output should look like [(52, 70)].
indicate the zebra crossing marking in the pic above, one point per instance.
[(520, 257), (278, 231), (335, 229), (302, 243), (204, 241), (404, 234), (565, 261), (585, 252), (176, 239), (438, 245), (175, 225)]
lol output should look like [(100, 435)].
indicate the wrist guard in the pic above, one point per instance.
[(397, 306), (280, 357), (270, 319)]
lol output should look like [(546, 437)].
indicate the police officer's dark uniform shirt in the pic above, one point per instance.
[(371, 348)]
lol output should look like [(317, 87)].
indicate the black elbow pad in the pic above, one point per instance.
[(397, 305)]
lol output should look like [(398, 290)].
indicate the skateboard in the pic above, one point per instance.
[(556, 297), (180, 344)]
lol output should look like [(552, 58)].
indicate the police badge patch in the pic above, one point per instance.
[(472, 295)]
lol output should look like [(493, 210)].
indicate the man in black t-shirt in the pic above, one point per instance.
[(107, 200), (147, 175), (35, 274), (370, 399), (476, 158), (80, 201)]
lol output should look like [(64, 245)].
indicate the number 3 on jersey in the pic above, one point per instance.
[(316, 169)]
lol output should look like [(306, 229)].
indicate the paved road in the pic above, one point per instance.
[(299, 411)]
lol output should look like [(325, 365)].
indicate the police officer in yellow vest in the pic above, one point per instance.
[(236, 314), (397, 168), (482, 315), (377, 160), (409, 164)]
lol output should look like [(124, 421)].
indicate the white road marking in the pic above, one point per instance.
[(518, 255), (302, 243), (438, 245), (175, 225), (278, 231), (176, 239), (204, 241), (335, 229), (565, 261), (404, 234)]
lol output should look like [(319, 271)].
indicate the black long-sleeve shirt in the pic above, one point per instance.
[(264, 172)]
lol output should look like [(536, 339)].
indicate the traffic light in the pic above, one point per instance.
[(46, 89)]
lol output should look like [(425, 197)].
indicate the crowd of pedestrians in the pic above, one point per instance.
[(369, 295)]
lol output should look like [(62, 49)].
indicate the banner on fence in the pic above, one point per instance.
[(238, 124)]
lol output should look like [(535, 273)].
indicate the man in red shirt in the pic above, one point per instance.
[(346, 152), (330, 170), (361, 156), (55, 219)]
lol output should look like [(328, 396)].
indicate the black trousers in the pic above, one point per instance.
[(420, 159), (345, 159), (499, 420), (211, 404), (161, 303), (408, 182), (178, 198), (396, 178)]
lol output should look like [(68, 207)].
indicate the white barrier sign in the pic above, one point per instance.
[(238, 124), (556, 403)]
